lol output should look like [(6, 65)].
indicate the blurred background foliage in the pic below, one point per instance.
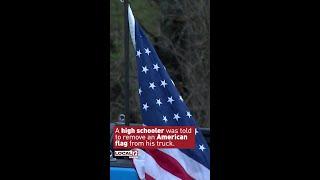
[(180, 32)]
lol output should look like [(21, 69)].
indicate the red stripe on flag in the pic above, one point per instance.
[(169, 164), (148, 177)]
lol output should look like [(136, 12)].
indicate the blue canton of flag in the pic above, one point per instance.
[(161, 103)]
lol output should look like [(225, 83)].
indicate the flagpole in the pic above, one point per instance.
[(126, 60)]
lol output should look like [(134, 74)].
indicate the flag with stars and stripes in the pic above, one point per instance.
[(162, 105)]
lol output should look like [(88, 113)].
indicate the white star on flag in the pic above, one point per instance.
[(145, 106), (139, 53), (163, 83), (170, 100), (156, 67), (176, 116), (152, 86), (159, 102), (145, 69), (147, 51), (180, 97), (188, 114), (201, 147), (165, 118)]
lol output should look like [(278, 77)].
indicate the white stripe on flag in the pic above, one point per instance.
[(146, 164), (192, 167)]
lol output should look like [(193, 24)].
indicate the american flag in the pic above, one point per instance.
[(162, 105)]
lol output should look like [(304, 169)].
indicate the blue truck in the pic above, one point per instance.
[(123, 168)]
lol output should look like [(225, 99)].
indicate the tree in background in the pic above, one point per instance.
[(180, 32)]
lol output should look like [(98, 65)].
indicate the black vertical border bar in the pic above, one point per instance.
[(101, 88)]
